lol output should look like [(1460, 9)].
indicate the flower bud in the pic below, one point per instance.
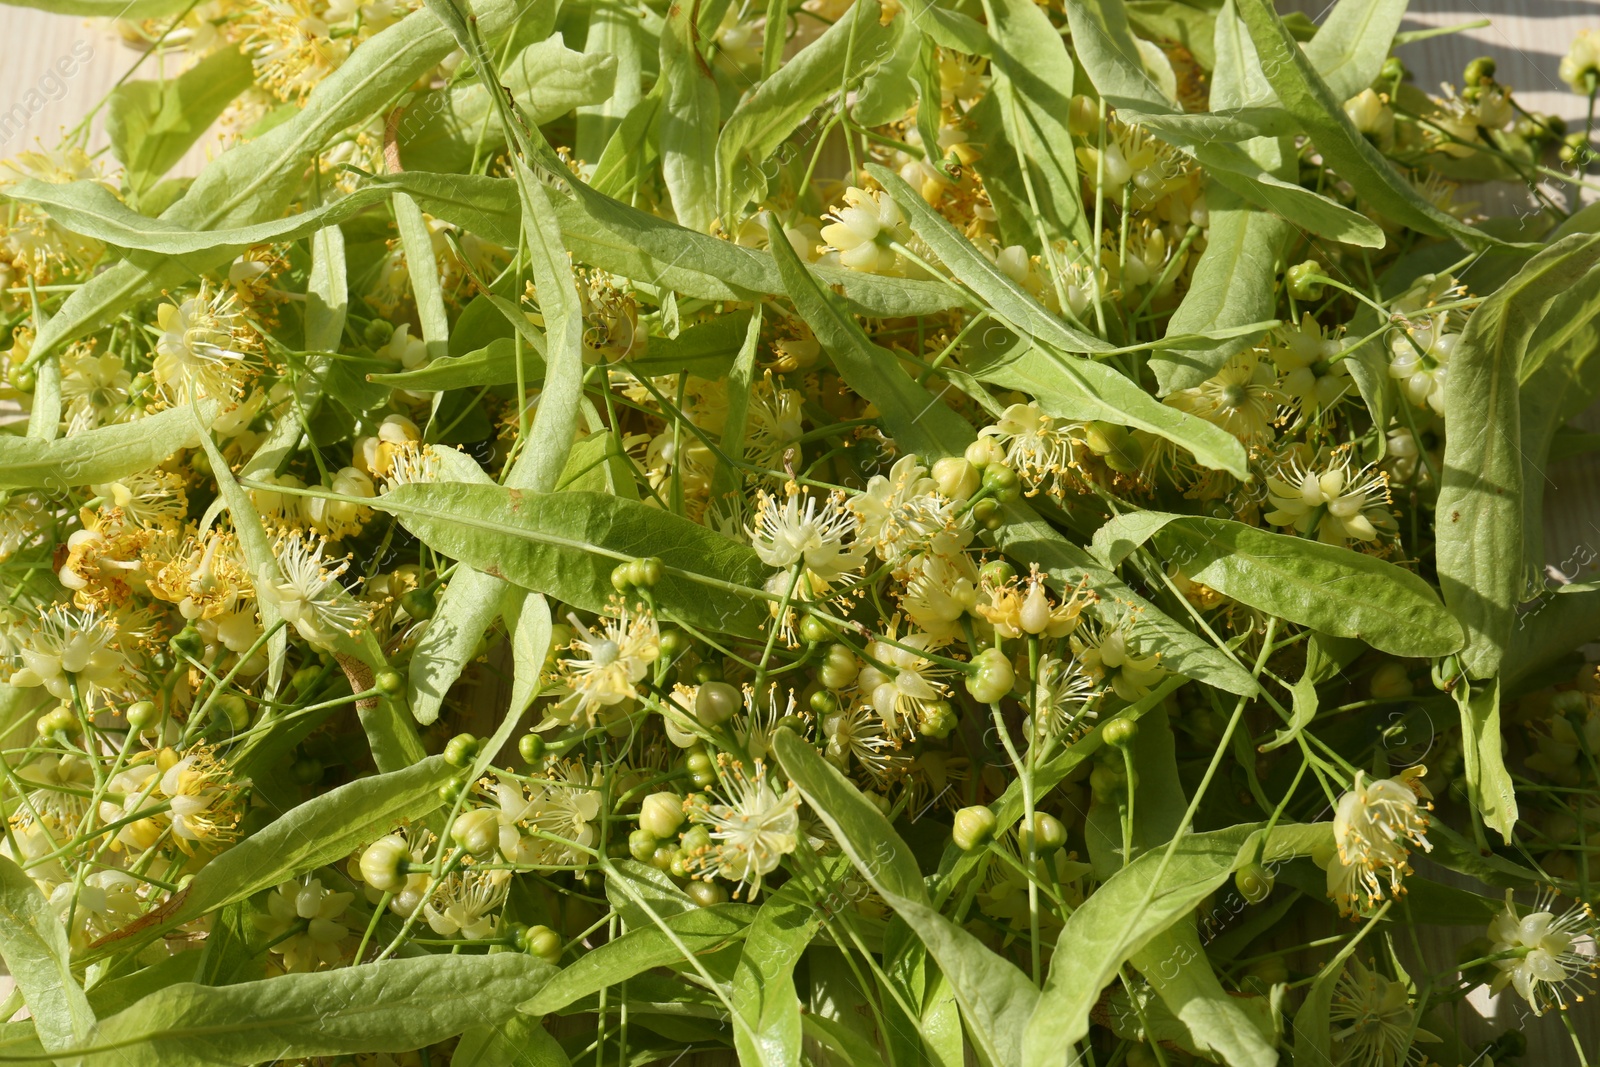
[(705, 894), (1305, 280), (1042, 835), (477, 831), (957, 478), (642, 844), (1119, 733), (143, 715), (974, 826), (715, 703), (461, 750), (531, 748), (984, 451), (383, 864), (990, 676), (1391, 682), (1254, 882), (661, 814), (540, 941)]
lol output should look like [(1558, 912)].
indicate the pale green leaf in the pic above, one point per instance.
[(995, 998), (1033, 83), (699, 930), (151, 124), (1128, 911), (1306, 96), (254, 181), (393, 1006), (1216, 1023), (1480, 508), (327, 292), (688, 122), (1045, 369), (1352, 43), (33, 942), (100, 455), (763, 985), (836, 62), (566, 544), (1489, 784), (323, 830), (1325, 587)]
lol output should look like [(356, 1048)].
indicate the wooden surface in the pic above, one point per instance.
[(1527, 39)]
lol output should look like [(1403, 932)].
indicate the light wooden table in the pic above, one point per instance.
[(1527, 39)]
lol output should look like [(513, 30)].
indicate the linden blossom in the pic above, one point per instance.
[(813, 533)]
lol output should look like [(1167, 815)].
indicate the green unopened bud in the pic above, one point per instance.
[(1254, 882), (383, 864), (461, 750), (419, 603), (1042, 835), (813, 631), (1305, 280), (540, 941), (531, 748), (661, 814), (705, 894), (389, 682), (642, 844), (990, 676), (1479, 71), (973, 827), (143, 716), (477, 831), (1119, 733), (716, 703)]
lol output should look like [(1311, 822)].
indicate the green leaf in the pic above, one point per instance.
[(1560, 377), (1325, 657), (1126, 914), (151, 124), (836, 62), (701, 930), (1232, 286), (494, 364), (688, 121), (33, 942), (566, 544), (1033, 83), (919, 421), (528, 621), (392, 1006), (100, 455), (1480, 508), (1110, 56), (1325, 587), (1306, 96), (763, 985), (465, 611), (105, 9), (1352, 43), (520, 1041), (1217, 1024), (1044, 369), (442, 129), (254, 181), (327, 292), (422, 267), (1489, 786), (323, 830), (995, 998)]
